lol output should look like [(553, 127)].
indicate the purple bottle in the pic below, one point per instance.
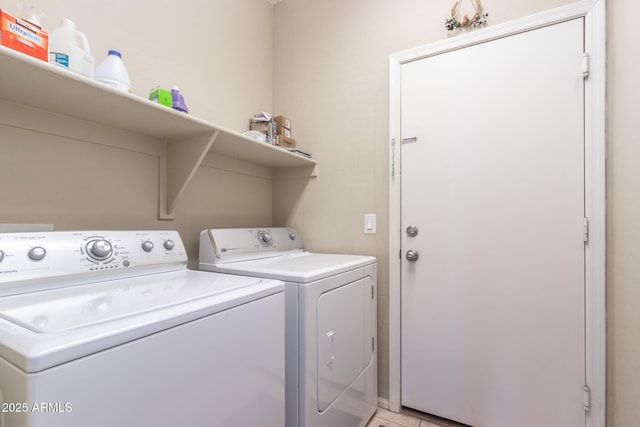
[(178, 100)]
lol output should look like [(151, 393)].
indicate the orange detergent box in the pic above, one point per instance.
[(23, 36)]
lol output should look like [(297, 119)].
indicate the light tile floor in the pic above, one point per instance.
[(384, 418)]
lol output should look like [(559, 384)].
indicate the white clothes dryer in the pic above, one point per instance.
[(108, 329), (331, 363)]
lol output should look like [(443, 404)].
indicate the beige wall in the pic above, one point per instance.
[(623, 210), (220, 54), (324, 64), (331, 77)]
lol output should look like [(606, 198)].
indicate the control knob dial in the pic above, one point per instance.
[(147, 246), (99, 249), (265, 238), (37, 253)]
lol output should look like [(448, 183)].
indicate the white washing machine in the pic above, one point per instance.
[(331, 363), (108, 329)]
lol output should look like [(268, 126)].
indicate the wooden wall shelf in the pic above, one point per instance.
[(186, 139)]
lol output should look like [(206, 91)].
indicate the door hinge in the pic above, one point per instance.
[(586, 397), (372, 296), (373, 345), (585, 229), (585, 65)]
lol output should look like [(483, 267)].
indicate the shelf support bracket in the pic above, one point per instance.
[(178, 163)]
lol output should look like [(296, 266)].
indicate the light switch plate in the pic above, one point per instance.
[(370, 224)]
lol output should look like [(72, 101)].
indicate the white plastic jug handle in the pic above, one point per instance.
[(84, 41)]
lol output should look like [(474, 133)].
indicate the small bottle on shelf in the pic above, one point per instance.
[(178, 100)]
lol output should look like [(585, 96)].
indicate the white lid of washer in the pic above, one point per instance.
[(299, 267), (43, 329)]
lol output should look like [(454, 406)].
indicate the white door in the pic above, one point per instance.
[(492, 170)]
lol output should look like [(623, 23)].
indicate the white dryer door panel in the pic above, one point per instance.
[(344, 338)]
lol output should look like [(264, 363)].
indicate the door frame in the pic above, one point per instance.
[(593, 12)]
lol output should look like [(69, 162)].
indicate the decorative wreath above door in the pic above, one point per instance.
[(476, 20)]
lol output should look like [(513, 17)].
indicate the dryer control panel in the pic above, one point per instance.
[(219, 245), (35, 261)]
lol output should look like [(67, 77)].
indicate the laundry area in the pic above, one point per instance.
[(327, 213)]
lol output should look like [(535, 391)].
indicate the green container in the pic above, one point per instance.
[(161, 96)]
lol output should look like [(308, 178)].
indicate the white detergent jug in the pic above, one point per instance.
[(69, 48), (112, 72)]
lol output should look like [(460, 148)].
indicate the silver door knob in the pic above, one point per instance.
[(412, 231), (412, 255)]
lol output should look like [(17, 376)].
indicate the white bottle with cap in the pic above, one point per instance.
[(112, 72), (69, 48)]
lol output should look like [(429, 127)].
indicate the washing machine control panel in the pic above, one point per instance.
[(48, 259)]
